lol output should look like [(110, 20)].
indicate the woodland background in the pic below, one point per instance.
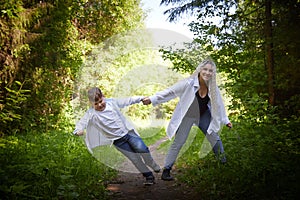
[(46, 44)]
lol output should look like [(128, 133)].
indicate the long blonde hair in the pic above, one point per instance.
[(211, 84)]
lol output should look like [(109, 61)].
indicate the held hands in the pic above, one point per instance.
[(79, 133), (146, 101)]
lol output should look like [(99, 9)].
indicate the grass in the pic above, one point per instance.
[(263, 163), (57, 165), (52, 165)]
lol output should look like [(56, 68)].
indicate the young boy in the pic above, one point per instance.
[(105, 124)]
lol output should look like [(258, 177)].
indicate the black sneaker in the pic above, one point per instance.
[(149, 180), (166, 175)]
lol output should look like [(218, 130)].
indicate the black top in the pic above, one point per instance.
[(202, 102)]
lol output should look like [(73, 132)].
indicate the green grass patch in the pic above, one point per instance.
[(53, 165), (151, 135), (263, 163)]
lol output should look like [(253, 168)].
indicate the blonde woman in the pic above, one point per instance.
[(200, 103)]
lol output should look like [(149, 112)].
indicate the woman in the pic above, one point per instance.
[(200, 103)]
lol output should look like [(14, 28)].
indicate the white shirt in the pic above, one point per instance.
[(103, 127), (185, 90), (109, 122)]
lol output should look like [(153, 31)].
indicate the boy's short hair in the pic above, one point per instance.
[(94, 94)]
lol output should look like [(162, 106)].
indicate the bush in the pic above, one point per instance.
[(263, 163), (52, 165)]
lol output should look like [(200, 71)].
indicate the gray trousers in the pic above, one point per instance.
[(182, 135)]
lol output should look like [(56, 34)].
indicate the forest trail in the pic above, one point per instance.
[(130, 185)]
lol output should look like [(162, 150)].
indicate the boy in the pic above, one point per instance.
[(106, 124)]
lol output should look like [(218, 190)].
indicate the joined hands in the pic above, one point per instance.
[(146, 101)]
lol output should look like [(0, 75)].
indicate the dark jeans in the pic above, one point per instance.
[(134, 148)]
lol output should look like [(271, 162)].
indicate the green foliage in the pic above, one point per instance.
[(262, 163), (185, 60), (151, 135), (233, 33), (115, 17), (43, 45), (125, 65), (10, 108), (52, 165), (11, 9), (56, 165)]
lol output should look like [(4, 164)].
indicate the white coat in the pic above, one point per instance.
[(185, 90), (94, 132)]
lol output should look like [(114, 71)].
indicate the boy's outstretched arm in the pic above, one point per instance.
[(123, 102), (82, 124)]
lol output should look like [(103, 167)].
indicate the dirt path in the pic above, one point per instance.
[(130, 185)]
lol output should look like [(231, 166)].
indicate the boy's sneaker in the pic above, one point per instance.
[(149, 180), (166, 175)]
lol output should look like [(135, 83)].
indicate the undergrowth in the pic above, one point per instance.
[(262, 163), (53, 165)]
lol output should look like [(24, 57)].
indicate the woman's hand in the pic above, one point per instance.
[(79, 133), (229, 125)]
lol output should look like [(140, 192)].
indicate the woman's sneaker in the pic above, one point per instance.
[(166, 175), (149, 180)]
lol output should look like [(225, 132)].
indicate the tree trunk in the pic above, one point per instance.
[(269, 52)]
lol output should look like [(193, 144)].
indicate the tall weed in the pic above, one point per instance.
[(262, 163), (52, 165)]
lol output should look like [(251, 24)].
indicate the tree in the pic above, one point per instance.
[(269, 51), (43, 44), (249, 42)]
